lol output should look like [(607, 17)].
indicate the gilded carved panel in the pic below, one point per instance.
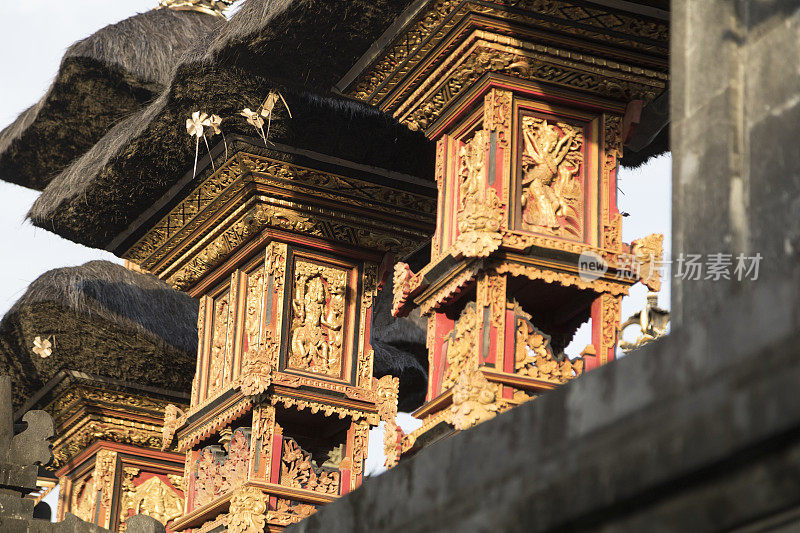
[(219, 343), (317, 318), (551, 170)]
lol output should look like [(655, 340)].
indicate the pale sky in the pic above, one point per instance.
[(35, 34)]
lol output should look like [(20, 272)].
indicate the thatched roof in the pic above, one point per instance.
[(267, 45), (102, 319), (102, 79)]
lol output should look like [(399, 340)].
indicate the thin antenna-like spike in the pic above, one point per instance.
[(196, 151), (209, 154), (225, 143), (285, 104)]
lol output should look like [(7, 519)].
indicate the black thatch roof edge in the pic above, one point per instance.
[(140, 52), (110, 291)]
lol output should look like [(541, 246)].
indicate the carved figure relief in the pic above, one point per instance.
[(298, 470), (254, 308), (480, 211), (219, 339), (318, 308), (462, 350), (474, 399), (551, 191), (534, 357)]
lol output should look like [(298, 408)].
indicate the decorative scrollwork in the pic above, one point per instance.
[(480, 211), (248, 511)]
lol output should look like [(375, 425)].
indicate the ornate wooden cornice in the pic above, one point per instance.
[(251, 193), (450, 44)]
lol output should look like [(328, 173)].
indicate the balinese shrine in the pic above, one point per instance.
[(413, 208)]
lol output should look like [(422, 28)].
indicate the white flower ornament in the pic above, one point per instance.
[(42, 347)]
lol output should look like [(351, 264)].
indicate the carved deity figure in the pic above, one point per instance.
[(317, 333), (218, 341), (547, 182), (474, 400)]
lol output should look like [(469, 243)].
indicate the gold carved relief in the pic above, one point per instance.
[(480, 211), (248, 511), (552, 196), (104, 468), (285, 513), (648, 251), (153, 498), (474, 399), (298, 470), (219, 342), (318, 308), (360, 445), (260, 362), (84, 498), (404, 283), (173, 418), (254, 308), (264, 431), (462, 348), (534, 357)]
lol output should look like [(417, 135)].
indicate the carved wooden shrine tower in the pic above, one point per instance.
[(530, 104)]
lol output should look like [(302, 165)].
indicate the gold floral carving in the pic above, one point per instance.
[(563, 278), (286, 513), (405, 282), (480, 211), (264, 431), (254, 307), (388, 390), (492, 294), (370, 284), (450, 289), (531, 64), (552, 197), (110, 429), (393, 437), (219, 471), (104, 469), (248, 511), (84, 499), (612, 238), (184, 221), (365, 360), (260, 362), (534, 356), (275, 261), (474, 399), (413, 44), (610, 322), (173, 418), (325, 408), (153, 498), (648, 251), (220, 420), (219, 342), (462, 348), (298, 470), (360, 445)]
